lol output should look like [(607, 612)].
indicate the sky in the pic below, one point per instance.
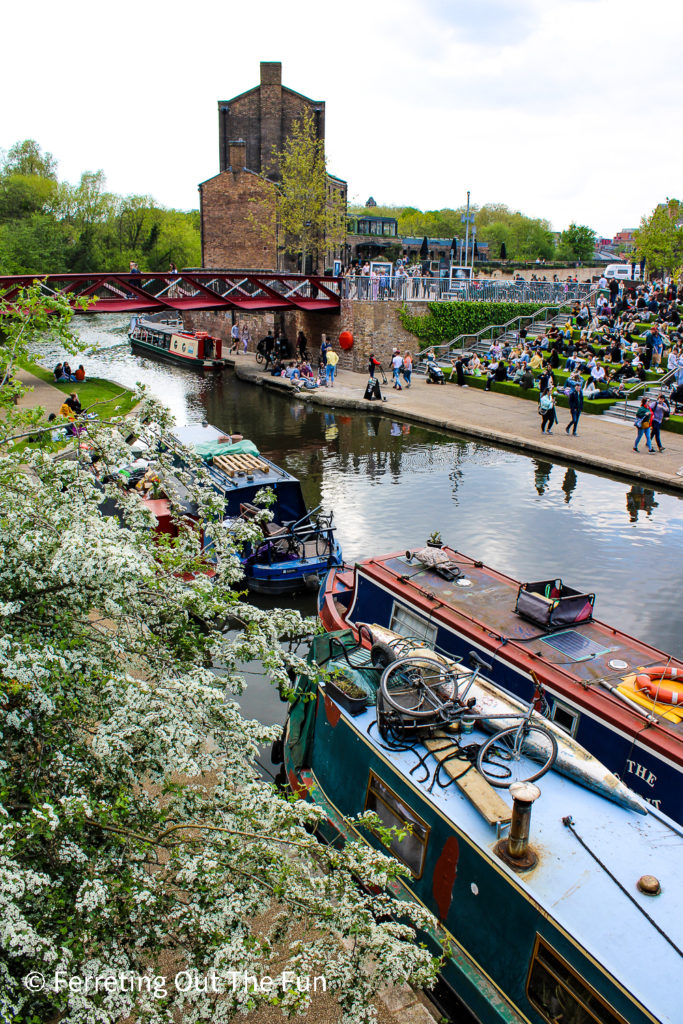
[(563, 109)]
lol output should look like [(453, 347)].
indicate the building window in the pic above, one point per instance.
[(565, 717), (560, 994), (407, 623), (394, 812)]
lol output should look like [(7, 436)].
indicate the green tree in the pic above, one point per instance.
[(659, 239), (27, 158), (577, 242), (135, 831), (306, 207), (24, 194)]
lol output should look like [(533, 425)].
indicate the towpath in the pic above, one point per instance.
[(601, 443)]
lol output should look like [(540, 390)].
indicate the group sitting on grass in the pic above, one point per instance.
[(63, 372)]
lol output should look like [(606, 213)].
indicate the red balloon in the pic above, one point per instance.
[(346, 340)]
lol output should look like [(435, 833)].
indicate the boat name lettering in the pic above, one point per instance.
[(633, 768)]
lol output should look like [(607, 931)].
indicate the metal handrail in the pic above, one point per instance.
[(362, 287), (503, 328), (647, 384)]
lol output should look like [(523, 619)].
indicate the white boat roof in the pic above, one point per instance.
[(569, 885)]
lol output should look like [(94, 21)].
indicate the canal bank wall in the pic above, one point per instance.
[(601, 444), (375, 327)]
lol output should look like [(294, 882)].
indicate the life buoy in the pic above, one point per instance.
[(649, 681)]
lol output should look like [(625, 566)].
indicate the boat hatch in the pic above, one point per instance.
[(575, 646), (393, 812)]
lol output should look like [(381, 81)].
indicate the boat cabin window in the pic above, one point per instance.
[(565, 717), (561, 995), (407, 623), (394, 812)]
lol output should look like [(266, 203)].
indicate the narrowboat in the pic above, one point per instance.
[(168, 341), (299, 546), (618, 696), (553, 903)]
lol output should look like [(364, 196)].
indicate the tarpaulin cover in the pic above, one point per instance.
[(209, 448)]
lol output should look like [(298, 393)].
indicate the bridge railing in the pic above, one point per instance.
[(434, 289), (149, 292)]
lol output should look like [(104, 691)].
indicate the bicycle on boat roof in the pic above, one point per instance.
[(419, 694)]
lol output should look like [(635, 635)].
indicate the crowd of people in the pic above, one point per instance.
[(280, 361), (610, 353)]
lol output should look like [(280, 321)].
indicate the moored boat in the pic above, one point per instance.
[(575, 919), (594, 675), (168, 341), (299, 545)]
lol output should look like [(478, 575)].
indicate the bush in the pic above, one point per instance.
[(447, 320)]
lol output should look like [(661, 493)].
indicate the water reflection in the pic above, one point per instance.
[(391, 484), (640, 499), (569, 484)]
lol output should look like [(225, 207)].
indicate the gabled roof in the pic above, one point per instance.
[(256, 88)]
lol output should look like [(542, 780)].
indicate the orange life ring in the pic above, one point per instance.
[(649, 680)]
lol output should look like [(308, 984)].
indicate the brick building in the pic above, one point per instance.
[(251, 127)]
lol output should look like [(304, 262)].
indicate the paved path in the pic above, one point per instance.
[(601, 443), (44, 394)]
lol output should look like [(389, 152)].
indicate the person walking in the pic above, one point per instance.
[(660, 410), (246, 338), (575, 402), (235, 336), (642, 424), (546, 408), (396, 364), (331, 360), (373, 364), (407, 368)]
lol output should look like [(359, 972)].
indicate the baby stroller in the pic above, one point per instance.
[(435, 374)]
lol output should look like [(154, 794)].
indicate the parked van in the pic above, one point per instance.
[(622, 272)]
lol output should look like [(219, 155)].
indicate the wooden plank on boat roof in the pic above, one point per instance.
[(223, 462), (472, 783)]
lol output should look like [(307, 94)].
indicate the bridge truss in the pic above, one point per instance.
[(187, 290)]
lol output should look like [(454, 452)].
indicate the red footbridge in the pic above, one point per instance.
[(193, 289)]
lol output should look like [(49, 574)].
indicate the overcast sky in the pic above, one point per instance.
[(564, 109)]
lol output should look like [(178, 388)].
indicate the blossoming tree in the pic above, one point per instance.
[(136, 836)]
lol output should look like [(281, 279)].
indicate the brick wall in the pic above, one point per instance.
[(263, 117), (228, 237), (219, 325), (375, 327)]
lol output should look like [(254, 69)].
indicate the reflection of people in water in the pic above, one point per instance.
[(640, 499), (395, 430), (569, 484), (542, 475)]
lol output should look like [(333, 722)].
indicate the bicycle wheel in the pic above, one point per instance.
[(259, 357), (522, 753), (419, 687)]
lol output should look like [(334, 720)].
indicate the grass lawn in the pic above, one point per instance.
[(118, 400)]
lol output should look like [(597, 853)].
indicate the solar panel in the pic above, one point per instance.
[(574, 645)]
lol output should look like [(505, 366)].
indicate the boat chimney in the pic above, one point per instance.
[(515, 850)]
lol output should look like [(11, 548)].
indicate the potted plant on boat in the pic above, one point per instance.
[(346, 693), (434, 540)]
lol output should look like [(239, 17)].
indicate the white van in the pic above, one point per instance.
[(622, 272)]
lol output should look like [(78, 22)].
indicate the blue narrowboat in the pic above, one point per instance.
[(299, 546), (620, 697), (559, 906)]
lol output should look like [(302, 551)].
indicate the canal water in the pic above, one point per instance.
[(391, 484)]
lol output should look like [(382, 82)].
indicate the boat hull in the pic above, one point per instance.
[(147, 349), (494, 918), (646, 755)]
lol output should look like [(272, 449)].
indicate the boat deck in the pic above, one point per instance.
[(567, 882), (586, 651)]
